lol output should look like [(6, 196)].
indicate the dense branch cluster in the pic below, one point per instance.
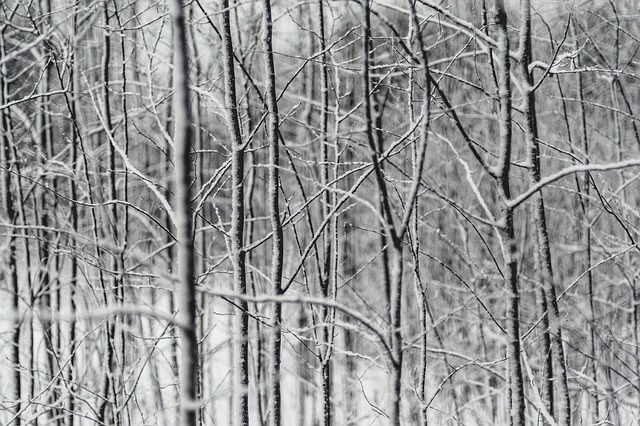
[(319, 212)]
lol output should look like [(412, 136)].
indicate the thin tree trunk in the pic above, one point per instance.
[(261, 396), (583, 189), (189, 405), (325, 313), (201, 218), (614, 407), (123, 225), (241, 334), (43, 278), (531, 139), (169, 193), (302, 369), (20, 211), (515, 388), (117, 334), (396, 336), (419, 287), (546, 392), (42, 214), (395, 273), (587, 240), (73, 280), (5, 148), (274, 214), (636, 339), (109, 382)]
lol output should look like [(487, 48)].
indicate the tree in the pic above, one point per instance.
[(184, 221), (237, 227)]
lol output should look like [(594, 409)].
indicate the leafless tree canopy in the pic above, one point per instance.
[(322, 212)]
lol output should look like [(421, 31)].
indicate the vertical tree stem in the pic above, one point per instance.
[(184, 221), (531, 140), (241, 342), (274, 214), (515, 388)]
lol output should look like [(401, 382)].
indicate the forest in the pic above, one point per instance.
[(319, 212)]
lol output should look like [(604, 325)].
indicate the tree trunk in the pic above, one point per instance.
[(11, 257), (531, 139), (274, 214), (325, 313), (189, 405), (515, 388), (241, 333)]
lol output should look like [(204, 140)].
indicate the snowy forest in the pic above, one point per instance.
[(319, 212)]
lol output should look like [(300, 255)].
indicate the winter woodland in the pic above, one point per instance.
[(321, 212)]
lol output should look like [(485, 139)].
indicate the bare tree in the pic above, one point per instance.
[(450, 236), (184, 221), (241, 330), (274, 215), (515, 390), (8, 207), (544, 255)]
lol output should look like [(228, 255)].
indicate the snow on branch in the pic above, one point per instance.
[(569, 171)]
